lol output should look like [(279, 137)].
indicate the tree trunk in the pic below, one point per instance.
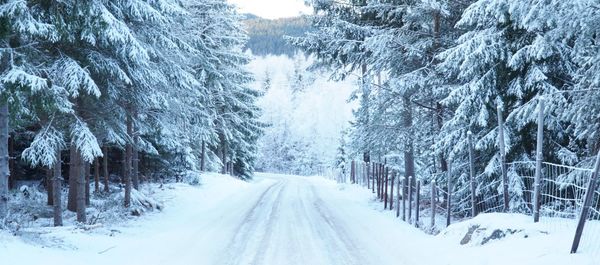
[(4, 170), (128, 158), (72, 196), (49, 188), (81, 186), (203, 157), (97, 175), (57, 190), (105, 167), (86, 175)]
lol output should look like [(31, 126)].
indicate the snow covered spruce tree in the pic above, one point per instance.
[(396, 42), (22, 83), (506, 59), (235, 116), (135, 76)]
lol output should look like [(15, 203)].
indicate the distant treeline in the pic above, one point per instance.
[(266, 36)]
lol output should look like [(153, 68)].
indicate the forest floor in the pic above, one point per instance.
[(279, 219)]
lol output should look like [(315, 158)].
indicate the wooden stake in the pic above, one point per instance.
[(503, 159), (589, 196), (538, 164), (472, 176)]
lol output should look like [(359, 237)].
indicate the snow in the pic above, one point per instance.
[(280, 219)]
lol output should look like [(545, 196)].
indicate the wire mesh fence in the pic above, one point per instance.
[(438, 199)]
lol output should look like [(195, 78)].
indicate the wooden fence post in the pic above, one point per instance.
[(398, 188), (381, 180), (381, 171), (503, 158), (404, 190), (377, 173), (589, 196), (373, 177), (386, 176), (392, 190), (410, 195), (472, 175), (449, 200), (367, 175), (352, 172), (417, 203), (538, 164), (433, 204)]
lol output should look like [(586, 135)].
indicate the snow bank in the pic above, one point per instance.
[(491, 239), (106, 241)]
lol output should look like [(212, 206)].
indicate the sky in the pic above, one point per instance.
[(273, 8)]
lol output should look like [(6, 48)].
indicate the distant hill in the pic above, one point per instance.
[(266, 35)]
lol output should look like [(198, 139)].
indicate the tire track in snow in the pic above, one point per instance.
[(346, 245), (250, 227), (266, 239)]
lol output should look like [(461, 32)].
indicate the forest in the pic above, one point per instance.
[(266, 36), (365, 132), (435, 72), (118, 93)]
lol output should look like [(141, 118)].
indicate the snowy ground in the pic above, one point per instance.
[(285, 220)]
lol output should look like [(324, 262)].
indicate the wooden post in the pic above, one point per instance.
[(472, 176), (363, 172), (368, 178), (417, 203), (538, 164), (373, 177), (379, 181), (352, 171), (404, 190), (57, 189), (203, 157), (449, 200), (503, 159), (382, 179), (392, 190), (385, 187), (410, 195), (378, 170), (433, 204), (399, 183), (589, 196)]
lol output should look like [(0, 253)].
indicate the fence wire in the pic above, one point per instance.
[(562, 192)]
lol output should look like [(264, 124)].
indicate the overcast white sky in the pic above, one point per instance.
[(273, 8)]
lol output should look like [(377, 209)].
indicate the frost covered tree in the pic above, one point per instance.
[(139, 76)]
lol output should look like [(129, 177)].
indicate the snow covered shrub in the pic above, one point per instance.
[(191, 177), (28, 204)]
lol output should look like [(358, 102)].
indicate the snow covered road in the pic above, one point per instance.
[(294, 220), (275, 220)]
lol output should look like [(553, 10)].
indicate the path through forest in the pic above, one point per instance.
[(274, 219)]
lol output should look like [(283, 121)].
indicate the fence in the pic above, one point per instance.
[(557, 196)]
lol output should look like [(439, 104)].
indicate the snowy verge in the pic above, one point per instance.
[(74, 244), (493, 239)]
